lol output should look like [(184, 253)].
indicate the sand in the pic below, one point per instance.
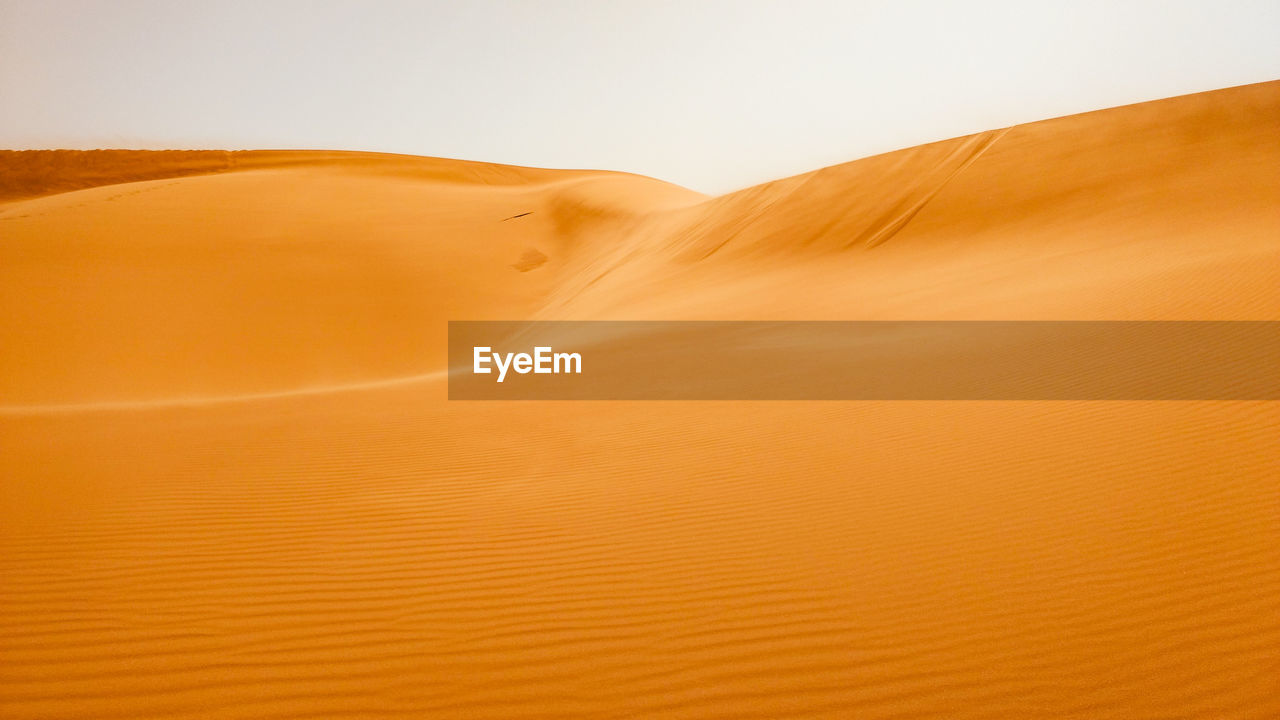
[(232, 485)]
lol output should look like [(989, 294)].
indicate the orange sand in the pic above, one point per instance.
[(232, 487)]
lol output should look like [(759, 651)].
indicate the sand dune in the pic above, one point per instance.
[(233, 487), (320, 271)]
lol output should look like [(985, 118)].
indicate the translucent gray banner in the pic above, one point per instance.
[(889, 360)]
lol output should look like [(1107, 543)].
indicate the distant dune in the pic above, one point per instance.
[(233, 487)]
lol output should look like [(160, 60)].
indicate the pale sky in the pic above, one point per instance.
[(710, 95)]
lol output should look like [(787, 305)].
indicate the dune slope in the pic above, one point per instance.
[(232, 486)]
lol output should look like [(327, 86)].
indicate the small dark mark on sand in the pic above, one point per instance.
[(530, 260)]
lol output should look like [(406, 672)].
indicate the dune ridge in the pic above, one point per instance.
[(35, 173), (232, 485)]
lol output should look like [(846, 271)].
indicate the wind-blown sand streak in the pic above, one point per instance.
[(217, 399), (232, 486)]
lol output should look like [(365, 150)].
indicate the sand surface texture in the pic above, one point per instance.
[(231, 484)]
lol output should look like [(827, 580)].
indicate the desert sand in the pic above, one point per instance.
[(233, 487)]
